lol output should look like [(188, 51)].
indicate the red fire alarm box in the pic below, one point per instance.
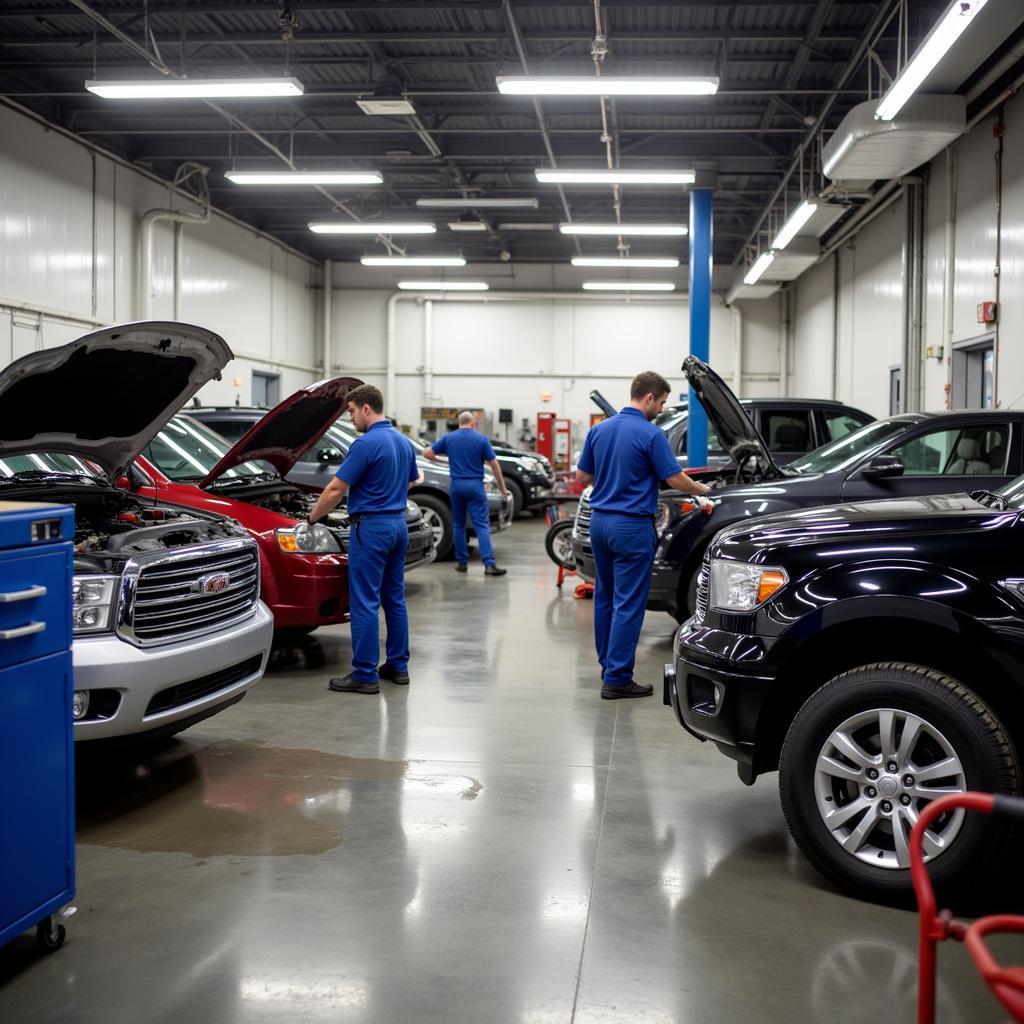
[(986, 312)]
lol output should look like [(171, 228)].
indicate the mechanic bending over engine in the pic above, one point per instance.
[(378, 472), (626, 457)]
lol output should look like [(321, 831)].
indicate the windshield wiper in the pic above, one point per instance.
[(52, 474)]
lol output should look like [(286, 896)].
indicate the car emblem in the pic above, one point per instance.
[(212, 584)]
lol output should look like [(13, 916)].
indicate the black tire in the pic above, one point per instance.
[(556, 537), (438, 514), (515, 488), (987, 763), (48, 938)]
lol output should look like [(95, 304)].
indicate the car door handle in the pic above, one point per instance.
[(19, 631), (28, 594)]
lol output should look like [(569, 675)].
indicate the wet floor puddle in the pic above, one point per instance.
[(238, 798)]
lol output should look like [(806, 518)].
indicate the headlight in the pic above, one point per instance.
[(669, 510), (307, 540), (739, 587), (490, 486), (92, 602), (533, 465)]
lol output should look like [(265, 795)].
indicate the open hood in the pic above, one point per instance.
[(104, 396), (289, 428), (738, 435)]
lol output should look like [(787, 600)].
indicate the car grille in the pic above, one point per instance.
[(702, 590), (204, 686), (162, 598), (582, 527)]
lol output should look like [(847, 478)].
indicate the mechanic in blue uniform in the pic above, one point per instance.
[(467, 451), (626, 457), (377, 473)]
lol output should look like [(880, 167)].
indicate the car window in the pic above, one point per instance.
[(848, 450), (186, 449), (339, 436), (714, 445), (231, 429), (959, 451), (47, 462), (787, 431), (839, 424)]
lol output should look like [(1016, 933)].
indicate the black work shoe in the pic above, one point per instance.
[(398, 678), (632, 690), (493, 570), (461, 567), (346, 684)]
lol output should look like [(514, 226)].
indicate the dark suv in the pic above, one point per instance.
[(874, 654)]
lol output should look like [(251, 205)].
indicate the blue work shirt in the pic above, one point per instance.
[(378, 469), (628, 457), (467, 451)]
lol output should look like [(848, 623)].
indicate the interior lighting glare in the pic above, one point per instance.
[(761, 264), (559, 177), (606, 85), (625, 261), (305, 177), (623, 229), (480, 203), (413, 261), (196, 88), (356, 227), (524, 226), (443, 286), (628, 286), (936, 44), (797, 219)]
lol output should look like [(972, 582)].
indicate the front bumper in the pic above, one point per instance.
[(499, 508), (712, 697), (421, 546), (664, 595), (197, 678), (307, 590), (583, 556), (537, 491)]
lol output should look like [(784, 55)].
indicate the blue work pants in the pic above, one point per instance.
[(623, 549), (376, 576), (469, 496)]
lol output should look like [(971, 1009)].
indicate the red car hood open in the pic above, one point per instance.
[(289, 428)]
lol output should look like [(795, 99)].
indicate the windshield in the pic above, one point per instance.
[(670, 417), (48, 462), (187, 450), (848, 450)]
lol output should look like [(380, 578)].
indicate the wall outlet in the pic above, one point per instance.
[(933, 351)]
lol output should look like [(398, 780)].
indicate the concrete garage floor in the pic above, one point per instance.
[(494, 843)]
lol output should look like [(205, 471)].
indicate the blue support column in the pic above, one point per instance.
[(701, 207)]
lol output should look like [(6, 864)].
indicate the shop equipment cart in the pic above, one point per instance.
[(1006, 983), (37, 819)]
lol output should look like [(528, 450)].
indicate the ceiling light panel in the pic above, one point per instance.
[(525, 226), (356, 227), (623, 229), (761, 264), (606, 85), (796, 220), (466, 225), (471, 203), (305, 177), (566, 177), (384, 106), (413, 261), (628, 286), (628, 261), (443, 286), (196, 88)]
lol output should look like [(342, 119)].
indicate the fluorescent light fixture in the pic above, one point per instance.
[(385, 106), (357, 227), (606, 85), (479, 203), (413, 261), (797, 219), (761, 264), (950, 27), (443, 286), (466, 225), (196, 88), (628, 286), (627, 261), (305, 177), (559, 177), (524, 226), (623, 229)]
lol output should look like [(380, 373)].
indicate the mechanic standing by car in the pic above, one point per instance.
[(467, 451), (626, 457), (377, 474)]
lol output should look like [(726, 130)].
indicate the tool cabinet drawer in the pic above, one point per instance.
[(34, 602)]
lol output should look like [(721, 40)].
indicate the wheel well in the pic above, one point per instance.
[(429, 492), (847, 646)]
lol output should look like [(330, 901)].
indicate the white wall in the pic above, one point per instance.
[(502, 354), (69, 260)]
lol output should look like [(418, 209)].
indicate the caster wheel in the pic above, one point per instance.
[(49, 938)]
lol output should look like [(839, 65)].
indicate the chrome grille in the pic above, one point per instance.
[(160, 601), (582, 527), (702, 590)]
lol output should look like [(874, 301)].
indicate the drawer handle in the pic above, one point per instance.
[(19, 631), (29, 594)]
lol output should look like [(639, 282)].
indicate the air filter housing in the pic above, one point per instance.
[(865, 149)]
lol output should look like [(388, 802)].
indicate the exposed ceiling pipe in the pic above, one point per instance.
[(149, 220), (598, 52), (328, 327)]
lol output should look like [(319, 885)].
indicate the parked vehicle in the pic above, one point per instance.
[(305, 570), (315, 466), (874, 654), (912, 454), (167, 622), (529, 475)]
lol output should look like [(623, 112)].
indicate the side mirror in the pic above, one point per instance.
[(124, 483), (883, 467), (327, 455)]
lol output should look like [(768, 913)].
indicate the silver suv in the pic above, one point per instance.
[(168, 625)]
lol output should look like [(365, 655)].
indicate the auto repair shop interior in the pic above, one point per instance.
[(218, 217)]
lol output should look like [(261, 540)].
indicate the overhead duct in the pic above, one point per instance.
[(789, 263), (866, 149), (743, 292)]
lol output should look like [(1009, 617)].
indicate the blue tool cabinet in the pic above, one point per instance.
[(37, 798)]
